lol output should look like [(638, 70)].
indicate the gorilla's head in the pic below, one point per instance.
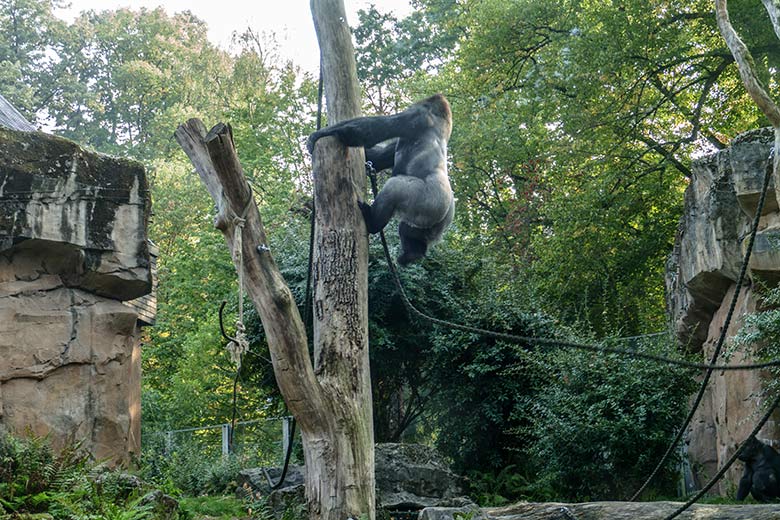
[(751, 450)]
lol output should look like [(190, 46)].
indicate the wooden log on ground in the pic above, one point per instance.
[(632, 511), (605, 511)]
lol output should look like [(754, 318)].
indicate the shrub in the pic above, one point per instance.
[(761, 335), (190, 469), (510, 484), (600, 423)]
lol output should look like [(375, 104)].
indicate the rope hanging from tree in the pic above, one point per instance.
[(239, 345), (549, 342), (721, 338)]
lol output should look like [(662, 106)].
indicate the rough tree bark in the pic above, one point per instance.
[(773, 9), (340, 464), (331, 400), (342, 459)]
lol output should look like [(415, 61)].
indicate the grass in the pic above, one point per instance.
[(215, 507)]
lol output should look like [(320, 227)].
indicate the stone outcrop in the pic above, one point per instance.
[(720, 204), (94, 205), (73, 247), (409, 477), (413, 476)]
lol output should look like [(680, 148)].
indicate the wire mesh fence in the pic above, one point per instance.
[(263, 442)]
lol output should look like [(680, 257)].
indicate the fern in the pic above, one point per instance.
[(35, 479)]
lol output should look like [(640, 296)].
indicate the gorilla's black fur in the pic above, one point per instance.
[(414, 144), (762, 472)]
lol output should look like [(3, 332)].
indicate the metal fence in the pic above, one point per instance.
[(263, 440)]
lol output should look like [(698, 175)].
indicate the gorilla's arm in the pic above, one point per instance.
[(745, 483), (369, 131), (382, 156)]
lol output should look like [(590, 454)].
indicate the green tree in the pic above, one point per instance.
[(139, 73), (32, 44), (599, 423), (575, 124), (389, 52)]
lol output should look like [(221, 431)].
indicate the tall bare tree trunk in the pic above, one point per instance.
[(331, 400), (340, 461)]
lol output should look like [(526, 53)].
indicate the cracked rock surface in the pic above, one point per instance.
[(721, 202), (73, 246)]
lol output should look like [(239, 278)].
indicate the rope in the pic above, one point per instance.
[(238, 346), (721, 337), (728, 463), (597, 348)]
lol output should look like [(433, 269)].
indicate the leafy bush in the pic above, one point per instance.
[(600, 423), (510, 484), (191, 469), (761, 335)]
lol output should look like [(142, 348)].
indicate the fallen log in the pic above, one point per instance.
[(633, 511), (606, 511)]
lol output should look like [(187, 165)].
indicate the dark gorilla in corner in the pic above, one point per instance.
[(414, 144), (762, 472)]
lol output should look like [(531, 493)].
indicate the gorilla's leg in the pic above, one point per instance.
[(764, 486), (414, 243), (745, 483), (398, 193)]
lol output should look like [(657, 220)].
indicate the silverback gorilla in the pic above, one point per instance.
[(762, 472), (414, 144)]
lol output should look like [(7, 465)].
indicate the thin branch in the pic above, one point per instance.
[(216, 162), (669, 156)]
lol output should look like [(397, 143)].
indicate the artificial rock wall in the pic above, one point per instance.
[(720, 204), (73, 247)]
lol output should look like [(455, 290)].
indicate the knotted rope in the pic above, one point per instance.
[(239, 346)]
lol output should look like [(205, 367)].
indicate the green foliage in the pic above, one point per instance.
[(191, 469), (575, 125), (30, 472), (389, 52), (760, 335), (482, 384), (259, 508), (122, 99), (35, 479), (600, 422), (460, 515), (227, 507), (458, 390), (85, 501), (29, 35), (510, 484)]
